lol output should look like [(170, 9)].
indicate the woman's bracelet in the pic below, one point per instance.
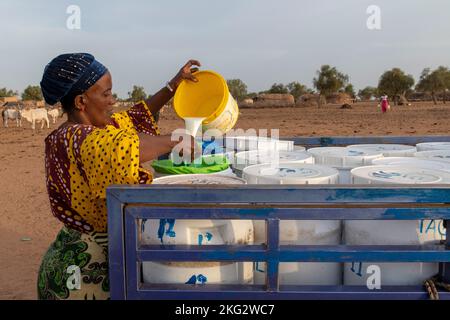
[(168, 86)]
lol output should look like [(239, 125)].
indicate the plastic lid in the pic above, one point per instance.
[(198, 179), (290, 173), (340, 157), (399, 174), (210, 164), (429, 146), (388, 150), (420, 163), (436, 155), (247, 158)]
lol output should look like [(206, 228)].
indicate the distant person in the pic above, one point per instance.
[(385, 103)]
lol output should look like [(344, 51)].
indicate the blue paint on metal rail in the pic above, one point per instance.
[(129, 205)]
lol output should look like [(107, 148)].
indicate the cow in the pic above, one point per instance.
[(33, 115), (12, 114), (54, 113)]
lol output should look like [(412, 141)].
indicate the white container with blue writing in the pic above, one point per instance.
[(393, 232), (302, 232)]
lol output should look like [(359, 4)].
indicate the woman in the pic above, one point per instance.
[(82, 157), (385, 103)]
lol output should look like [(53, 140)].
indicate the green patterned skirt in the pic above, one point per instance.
[(75, 267)]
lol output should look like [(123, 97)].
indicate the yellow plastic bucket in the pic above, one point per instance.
[(208, 98)]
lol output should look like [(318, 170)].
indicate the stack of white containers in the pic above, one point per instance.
[(245, 159), (304, 232)]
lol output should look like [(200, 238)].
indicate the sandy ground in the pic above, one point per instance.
[(27, 226)]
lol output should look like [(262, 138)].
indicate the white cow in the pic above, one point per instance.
[(54, 113), (11, 114), (33, 115)]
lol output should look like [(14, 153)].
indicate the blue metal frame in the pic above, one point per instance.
[(127, 205)]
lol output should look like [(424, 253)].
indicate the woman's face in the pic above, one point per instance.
[(98, 101)]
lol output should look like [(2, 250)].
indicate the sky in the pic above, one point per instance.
[(259, 41)]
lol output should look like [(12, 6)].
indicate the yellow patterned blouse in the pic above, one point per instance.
[(82, 160)]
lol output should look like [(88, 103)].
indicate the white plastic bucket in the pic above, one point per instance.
[(247, 158), (209, 98), (343, 159), (384, 232), (197, 232), (388, 150), (307, 232), (430, 146), (248, 143)]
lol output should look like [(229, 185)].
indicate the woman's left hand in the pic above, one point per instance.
[(186, 73)]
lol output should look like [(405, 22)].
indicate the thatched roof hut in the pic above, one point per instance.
[(274, 100)]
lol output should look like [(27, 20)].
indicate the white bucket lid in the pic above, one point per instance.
[(388, 150), (420, 163), (398, 174), (198, 179), (248, 158), (340, 157), (299, 148), (290, 173), (436, 155), (429, 146), (247, 143)]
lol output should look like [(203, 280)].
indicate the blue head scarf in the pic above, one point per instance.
[(69, 74)]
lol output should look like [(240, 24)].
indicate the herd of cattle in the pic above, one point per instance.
[(31, 115)]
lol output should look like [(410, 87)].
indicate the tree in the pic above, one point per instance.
[(329, 80), (238, 89), (368, 93), (278, 88), (137, 94), (435, 81), (7, 93), (395, 83), (297, 89), (350, 90), (32, 93)]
